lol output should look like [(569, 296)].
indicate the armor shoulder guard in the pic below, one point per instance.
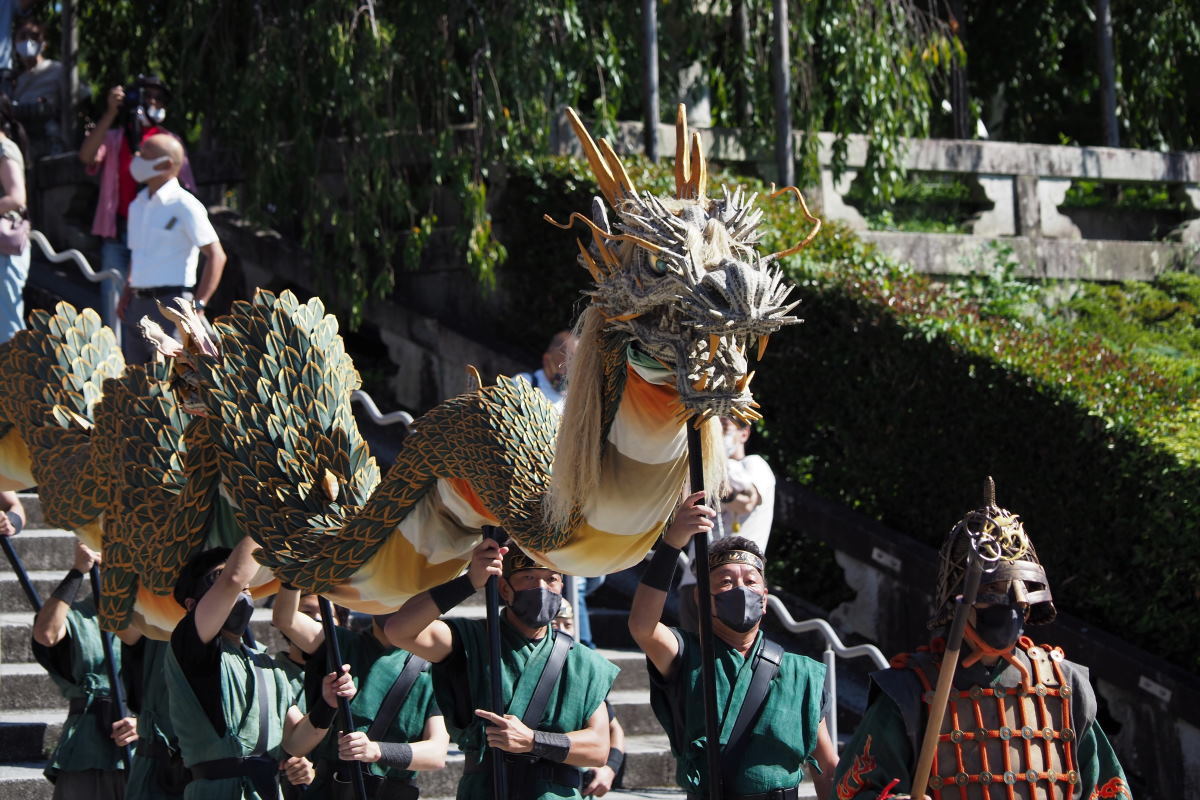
[(1083, 705), (904, 688)]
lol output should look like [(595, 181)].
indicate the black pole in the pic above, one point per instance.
[(499, 773), (114, 681), (782, 74), (708, 672), (18, 566), (1108, 80), (650, 75), (333, 654)]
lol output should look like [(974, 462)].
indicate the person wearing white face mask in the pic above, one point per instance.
[(168, 229), (38, 96), (108, 150), (748, 510)]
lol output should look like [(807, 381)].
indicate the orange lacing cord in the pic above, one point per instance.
[(958, 750), (1067, 721), (982, 649)]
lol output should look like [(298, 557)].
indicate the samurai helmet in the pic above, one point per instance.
[(1009, 558)]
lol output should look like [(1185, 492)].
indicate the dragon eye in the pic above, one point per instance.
[(661, 269)]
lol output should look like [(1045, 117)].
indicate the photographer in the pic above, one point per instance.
[(40, 92), (130, 118)]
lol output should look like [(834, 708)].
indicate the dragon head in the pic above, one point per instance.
[(185, 356), (682, 276)]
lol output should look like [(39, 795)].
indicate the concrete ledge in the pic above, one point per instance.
[(1061, 259)]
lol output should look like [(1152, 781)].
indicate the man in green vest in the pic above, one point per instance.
[(1020, 720), (231, 705), (413, 738), (765, 750), (543, 754), (66, 641)]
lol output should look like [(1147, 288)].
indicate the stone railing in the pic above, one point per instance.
[(1026, 184)]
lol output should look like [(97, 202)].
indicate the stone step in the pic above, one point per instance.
[(12, 596), (43, 549), (30, 735), (24, 781), (33, 509)]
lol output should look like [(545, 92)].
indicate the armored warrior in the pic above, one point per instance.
[(1020, 720)]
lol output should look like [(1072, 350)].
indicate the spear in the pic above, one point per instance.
[(18, 566), (110, 661), (499, 775), (333, 653), (708, 673)]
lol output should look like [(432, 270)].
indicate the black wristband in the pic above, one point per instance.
[(322, 715), (449, 594), (661, 570), (68, 590), (17, 523), (551, 746), (394, 755), (615, 759)]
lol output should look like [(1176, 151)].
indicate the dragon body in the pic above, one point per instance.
[(681, 301)]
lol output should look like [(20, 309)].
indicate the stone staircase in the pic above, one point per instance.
[(32, 712)]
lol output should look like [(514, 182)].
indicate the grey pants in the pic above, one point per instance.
[(136, 349), (90, 784)]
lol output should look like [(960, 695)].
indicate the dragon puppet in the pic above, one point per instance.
[(680, 303)]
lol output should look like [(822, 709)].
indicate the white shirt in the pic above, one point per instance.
[(165, 235), (539, 379), (755, 526)]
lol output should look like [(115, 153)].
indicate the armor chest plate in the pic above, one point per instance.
[(1007, 742)]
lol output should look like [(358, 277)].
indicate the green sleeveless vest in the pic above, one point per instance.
[(85, 741), (239, 702)]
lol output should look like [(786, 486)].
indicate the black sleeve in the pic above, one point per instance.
[(451, 672), (57, 659), (133, 673), (201, 664)]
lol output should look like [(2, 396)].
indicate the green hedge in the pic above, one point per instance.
[(898, 395)]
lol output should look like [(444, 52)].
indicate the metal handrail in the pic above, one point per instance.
[(110, 292), (365, 400), (833, 647)]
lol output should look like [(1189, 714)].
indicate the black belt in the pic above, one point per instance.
[(155, 747), (261, 770), (78, 705), (792, 793), (533, 769), (158, 291)]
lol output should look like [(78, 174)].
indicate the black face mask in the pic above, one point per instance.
[(999, 626), (239, 616), (535, 607), (740, 608)]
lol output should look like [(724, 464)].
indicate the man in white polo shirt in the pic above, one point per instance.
[(168, 228)]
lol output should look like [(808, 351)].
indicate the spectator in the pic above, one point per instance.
[(40, 93), (747, 511), (66, 641), (109, 151), (551, 379), (12, 514), (168, 228), (14, 268), (9, 10)]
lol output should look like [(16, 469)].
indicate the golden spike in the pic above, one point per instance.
[(624, 317), (590, 263), (608, 184), (807, 215), (714, 341), (701, 384), (762, 346), (745, 381), (699, 182), (753, 414), (329, 483), (616, 168), (597, 230), (682, 168), (754, 404), (473, 376), (737, 412), (703, 418)]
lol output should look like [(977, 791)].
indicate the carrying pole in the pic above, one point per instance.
[(116, 689), (18, 566), (333, 654), (708, 672), (499, 773), (945, 681)]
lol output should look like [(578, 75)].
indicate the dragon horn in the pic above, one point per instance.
[(682, 165), (699, 182), (608, 184), (616, 168)]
